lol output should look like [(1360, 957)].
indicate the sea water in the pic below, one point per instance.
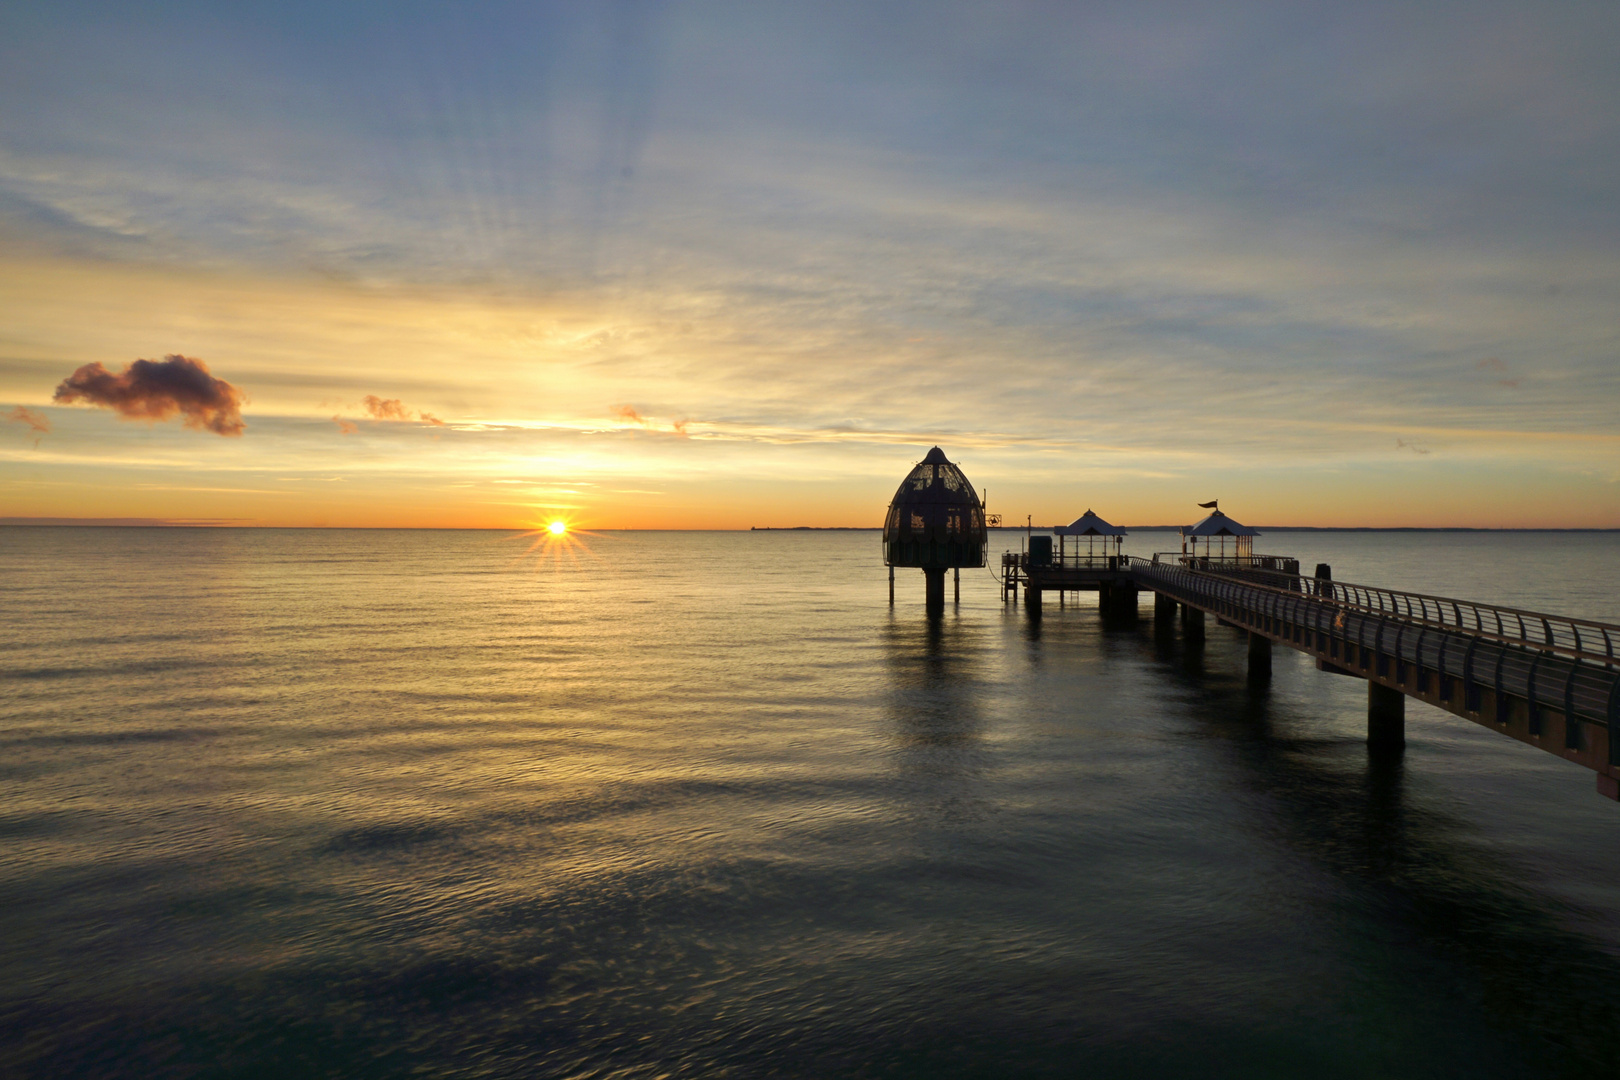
[(376, 803)]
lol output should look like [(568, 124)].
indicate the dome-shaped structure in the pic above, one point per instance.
[(936, 520)]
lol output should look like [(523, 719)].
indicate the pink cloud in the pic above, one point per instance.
[(37, 421), (386, 408)]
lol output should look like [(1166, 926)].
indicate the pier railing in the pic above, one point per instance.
[(1584, 639), (1068, 560), (1552, 661), (1278, 563), (1084, 560)]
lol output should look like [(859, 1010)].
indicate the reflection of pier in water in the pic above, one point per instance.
[(1438, 925), (1415, 868)]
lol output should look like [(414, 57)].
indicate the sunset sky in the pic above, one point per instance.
[(700, 265)]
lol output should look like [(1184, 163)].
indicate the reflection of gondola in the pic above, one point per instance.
[(935, 698)]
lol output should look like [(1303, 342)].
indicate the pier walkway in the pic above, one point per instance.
[(1546, 680)]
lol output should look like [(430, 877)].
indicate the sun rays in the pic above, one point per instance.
[(553, 537)]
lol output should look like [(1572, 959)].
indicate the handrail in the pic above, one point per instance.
[(1536, 630), (1068, 560), (1270, 563)]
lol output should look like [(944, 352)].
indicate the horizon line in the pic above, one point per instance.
[(239, 523)]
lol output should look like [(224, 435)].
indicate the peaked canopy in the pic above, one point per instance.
[(1218, 524), (1089, 524)]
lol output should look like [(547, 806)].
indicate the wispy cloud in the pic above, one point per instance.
[(391, 410), (385, 409), (36, 422)]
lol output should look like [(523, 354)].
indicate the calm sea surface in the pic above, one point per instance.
[(334, 803)]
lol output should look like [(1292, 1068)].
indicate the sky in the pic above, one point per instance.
[(716, 265)]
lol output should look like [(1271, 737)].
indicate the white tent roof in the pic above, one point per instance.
[(1218, 524), (1089, 524)]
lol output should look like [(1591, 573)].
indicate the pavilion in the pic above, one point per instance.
[(1092, 527), (1217, 527)]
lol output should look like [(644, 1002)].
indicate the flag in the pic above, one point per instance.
[(1212, 505)]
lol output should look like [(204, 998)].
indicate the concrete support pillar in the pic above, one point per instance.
[(1195, 624), (1386, 717), (1259, 656), (1032, 602), (935, 603), (1125, 598), (1164, 608), (1105, 599)]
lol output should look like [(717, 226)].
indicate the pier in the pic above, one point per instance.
[(1549, 681)]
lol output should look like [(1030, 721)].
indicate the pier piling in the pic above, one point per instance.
[(1125, 598), (1386, 718), (935, 596), (1259, 657)]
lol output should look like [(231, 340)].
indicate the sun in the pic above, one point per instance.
[(553, 537)]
